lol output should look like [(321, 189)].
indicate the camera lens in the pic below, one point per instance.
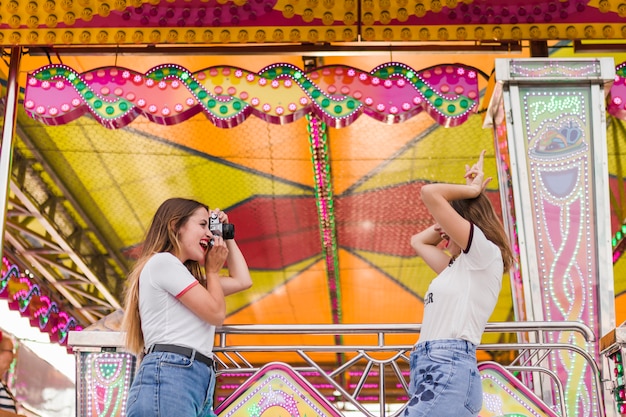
[(228, 231)]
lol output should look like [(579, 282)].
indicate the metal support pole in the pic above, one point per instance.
[(8, 131)]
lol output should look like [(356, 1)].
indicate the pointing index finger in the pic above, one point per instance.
[(481, 159)]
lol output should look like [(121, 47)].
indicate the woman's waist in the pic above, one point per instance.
[(202, 343), (455, 345)]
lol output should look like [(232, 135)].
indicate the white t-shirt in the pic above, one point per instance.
[(164, 319), (462, 297)]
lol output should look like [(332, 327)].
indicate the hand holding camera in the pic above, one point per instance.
[(218, 225)]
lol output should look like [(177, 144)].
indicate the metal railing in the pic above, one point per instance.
[(379, 359)]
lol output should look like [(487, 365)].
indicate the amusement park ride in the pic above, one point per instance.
[(314, 124)]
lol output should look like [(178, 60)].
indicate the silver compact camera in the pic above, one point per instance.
[(225, 230)]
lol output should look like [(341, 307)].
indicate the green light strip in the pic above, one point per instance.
[(318, 139)]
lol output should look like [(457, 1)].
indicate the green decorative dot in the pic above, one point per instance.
[(438, 102), (384, 73), (97, 104), (272, 73), (464, 103), (429, 93), (316, 93), (223, 109), (351, 104), (158, 75), (212, 103), (89, 95), (193, 85), (451, 108), (338, 109), (307, 84), (45, 74), (419, 84), (123, 106), (202, 94), (110, 110), (325, 102), (80, 86), (237, 105)]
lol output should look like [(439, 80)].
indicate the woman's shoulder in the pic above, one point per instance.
[(479, 238), (161, 258), (477, 231)]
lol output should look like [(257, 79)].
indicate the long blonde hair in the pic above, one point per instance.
[(162, 236), (480, 211)]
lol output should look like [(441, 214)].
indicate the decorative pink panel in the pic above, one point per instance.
[(280, 93)]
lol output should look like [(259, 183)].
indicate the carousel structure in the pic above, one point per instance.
[(314, 124)]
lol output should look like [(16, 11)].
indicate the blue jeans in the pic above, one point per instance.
[(445, 381), (168, 384)]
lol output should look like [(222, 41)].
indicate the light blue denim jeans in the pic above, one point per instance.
[(168, 384), (445, 381)]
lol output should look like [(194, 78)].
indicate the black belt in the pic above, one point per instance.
[(185, 351)]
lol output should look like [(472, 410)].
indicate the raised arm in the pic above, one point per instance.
[(426, 244), (238, 278), (437, 198), (208, 302)]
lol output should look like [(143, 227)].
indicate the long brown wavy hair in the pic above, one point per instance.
[(162, 236), (480, 211)]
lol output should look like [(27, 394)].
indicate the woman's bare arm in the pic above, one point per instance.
[(426, 245), (208, 303), (437, 199), (239, 278)]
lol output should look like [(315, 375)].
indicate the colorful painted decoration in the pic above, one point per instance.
[(563, 138), (554, 121), (279, 94), (617, 98), (154, 22), (32, 302), (107, 377), (276, 387), (504, 395)]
